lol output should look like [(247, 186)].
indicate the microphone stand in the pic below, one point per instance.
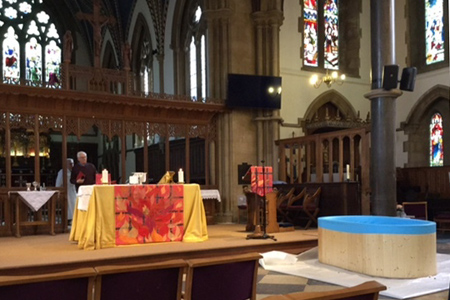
[(262, 235)]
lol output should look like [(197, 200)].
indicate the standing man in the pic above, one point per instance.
[(71, 190), (83, 173)]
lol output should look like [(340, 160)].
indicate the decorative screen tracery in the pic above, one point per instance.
[(24, 25), (436, 141)]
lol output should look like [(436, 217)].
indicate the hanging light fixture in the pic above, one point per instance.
[(328, 79)]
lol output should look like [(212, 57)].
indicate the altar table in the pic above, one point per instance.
[(95, 228)]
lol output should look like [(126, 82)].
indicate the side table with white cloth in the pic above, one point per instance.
[(210, 197), (34, 200)]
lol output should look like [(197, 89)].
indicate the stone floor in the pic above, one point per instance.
[(270, 283)]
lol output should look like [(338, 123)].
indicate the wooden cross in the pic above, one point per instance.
[(97, 21)]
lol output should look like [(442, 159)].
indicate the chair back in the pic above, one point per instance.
[(222, 278), (366, 291), (313, 202), (297, 200), (157, 281), (416, 209), (283, 199), (75, 284)]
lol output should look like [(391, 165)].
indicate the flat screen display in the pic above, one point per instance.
[(253, 91)]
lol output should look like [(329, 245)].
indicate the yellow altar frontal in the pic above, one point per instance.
[(94, 227)]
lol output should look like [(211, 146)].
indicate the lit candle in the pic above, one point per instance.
[(348, 172), (180, 176)]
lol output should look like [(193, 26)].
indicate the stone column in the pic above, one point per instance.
[(217, 15), (267, 42), (383, 187), (383, 111)]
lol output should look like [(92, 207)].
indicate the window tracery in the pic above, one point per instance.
[(197, 54)]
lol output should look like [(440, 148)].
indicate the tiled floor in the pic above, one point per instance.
[(270, 283)]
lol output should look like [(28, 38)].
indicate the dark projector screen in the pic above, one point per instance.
[(252, 91)]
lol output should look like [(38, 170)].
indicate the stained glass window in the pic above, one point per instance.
[(11, 57), (310, 29), (30, 32), (321, 27), (434, 31), (52, 64), (33, 53), (436, 141), (331, 19)]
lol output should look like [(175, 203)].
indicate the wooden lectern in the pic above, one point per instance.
[(261, 187)]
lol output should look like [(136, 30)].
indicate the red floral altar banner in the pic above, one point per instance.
[(261, 181), (149, 213)]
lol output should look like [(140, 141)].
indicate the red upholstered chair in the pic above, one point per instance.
[(75, 284), (157, 281), (222, 278), (366, 291), (309, 206)]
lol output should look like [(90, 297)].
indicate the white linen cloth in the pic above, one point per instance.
[(210, 194), (34, 199), (84, 194)]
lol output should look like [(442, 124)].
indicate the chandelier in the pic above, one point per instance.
[(328, 79)]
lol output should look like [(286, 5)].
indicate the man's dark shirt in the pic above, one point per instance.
[(89, 172)]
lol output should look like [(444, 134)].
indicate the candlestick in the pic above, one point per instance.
[(348, 172)]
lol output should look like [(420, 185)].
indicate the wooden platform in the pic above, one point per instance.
[(57, 253)]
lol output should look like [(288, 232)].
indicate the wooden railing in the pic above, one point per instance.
[(343, 154)]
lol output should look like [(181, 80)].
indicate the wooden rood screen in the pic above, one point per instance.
[(337, 156)]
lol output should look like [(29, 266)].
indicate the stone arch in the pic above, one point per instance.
[(109, 60), (416, 126), (328, 112)]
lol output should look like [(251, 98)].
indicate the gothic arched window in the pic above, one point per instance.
[(428, 40), (325, 24), (27, 34), (436, 141), (142, 62), (197, 55)]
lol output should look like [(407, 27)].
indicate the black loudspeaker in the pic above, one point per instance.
[(408, 79), (390, 77)]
